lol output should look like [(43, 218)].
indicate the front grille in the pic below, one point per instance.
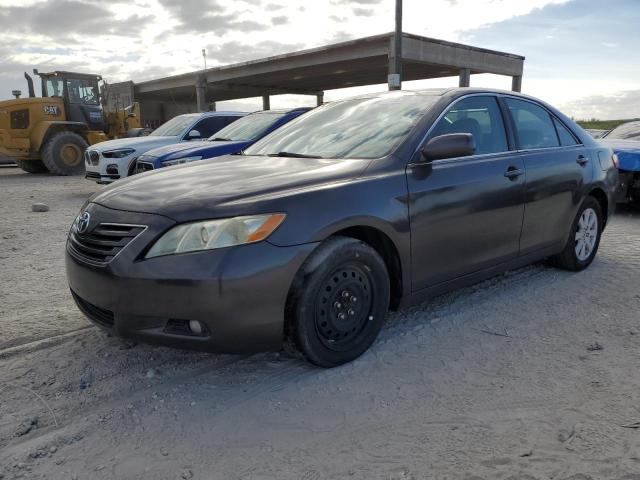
[(92, 157), (142, 167), (99, 315), (92, 175), (102, 244)]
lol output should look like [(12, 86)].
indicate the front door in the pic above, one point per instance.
[(466, 213)]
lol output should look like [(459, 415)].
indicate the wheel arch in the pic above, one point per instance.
[(600, 195), (45, 130)]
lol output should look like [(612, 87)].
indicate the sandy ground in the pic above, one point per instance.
[(532, 375)]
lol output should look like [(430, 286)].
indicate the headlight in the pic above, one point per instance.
[(118, 153), (178, 161), (211, 234)]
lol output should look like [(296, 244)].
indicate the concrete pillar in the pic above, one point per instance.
[(266, 102), (394, 79), (465, 77), (201, 93), (213, 106), (319, 99), (516, 83)]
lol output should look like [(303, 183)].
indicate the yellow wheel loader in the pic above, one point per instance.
[(51, 132)]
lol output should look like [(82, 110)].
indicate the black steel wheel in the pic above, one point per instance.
[(338, 302)]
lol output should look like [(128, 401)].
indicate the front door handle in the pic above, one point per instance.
[(513, 173), (582, 160)]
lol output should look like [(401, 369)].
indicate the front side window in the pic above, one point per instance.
[(533, 124), (248, 128), (54, 87), (357, 128), (83, 91), (174, 127), (479, 116)]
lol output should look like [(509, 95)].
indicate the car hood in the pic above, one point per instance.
[(224, 186), (139, 144), (188, 149)]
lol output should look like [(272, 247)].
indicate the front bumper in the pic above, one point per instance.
[(106, 170), (237, 293)]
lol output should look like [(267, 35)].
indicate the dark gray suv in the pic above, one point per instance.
[(358, 206)]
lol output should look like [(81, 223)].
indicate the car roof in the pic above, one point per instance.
[(284, 110)]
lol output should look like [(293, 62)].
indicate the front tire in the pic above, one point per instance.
[(63, 153), (338, 302), (584, 238)]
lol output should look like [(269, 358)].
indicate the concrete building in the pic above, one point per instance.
[(365, 61)]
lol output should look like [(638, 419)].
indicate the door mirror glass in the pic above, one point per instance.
[(194, 135), (451, 145)]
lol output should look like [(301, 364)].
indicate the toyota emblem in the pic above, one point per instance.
[(82, 222)]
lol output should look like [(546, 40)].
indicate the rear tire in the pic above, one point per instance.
[(337, 303), (63, 153), (32, 166), (584, 238)]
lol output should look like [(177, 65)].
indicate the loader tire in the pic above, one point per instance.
[(32, 166), (63, 153)]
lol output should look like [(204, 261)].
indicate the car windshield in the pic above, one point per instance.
[(247, 128), (626, 131), (357, 128), (174, 127)]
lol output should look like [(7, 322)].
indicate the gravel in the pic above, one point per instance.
[(439, 395)]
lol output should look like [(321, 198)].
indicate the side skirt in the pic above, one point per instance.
[(476, 277)]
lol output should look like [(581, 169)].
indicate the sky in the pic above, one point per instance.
[(581, 55)]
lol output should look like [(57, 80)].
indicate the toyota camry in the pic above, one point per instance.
[(357, 207)]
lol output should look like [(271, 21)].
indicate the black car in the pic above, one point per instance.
[(359, 206)]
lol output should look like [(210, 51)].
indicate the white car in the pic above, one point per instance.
[(106, 162)]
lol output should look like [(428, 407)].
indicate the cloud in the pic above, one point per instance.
[(280, 20), (235, 51), (59, 19), (208, 16), (358, 2), (363, 12), (271, 7), (617, 106)]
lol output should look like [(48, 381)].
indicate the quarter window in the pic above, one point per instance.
[(533, 124), (566, 139), (479, 116)]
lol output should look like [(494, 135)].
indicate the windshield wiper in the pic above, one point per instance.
[(220, 139), (292, 155)]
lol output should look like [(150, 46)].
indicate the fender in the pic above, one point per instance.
[(43, 130)]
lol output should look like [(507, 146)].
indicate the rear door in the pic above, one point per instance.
[(558, 168), (466, 213)]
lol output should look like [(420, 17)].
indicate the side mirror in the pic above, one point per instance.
[(193, 135), (451, 145)]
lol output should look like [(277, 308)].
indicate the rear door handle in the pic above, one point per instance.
[(513, 173), (582, 160)]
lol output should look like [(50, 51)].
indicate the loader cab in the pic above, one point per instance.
[(81, 96)]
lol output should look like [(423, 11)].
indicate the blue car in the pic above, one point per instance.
[(624, 140), (232, 139)]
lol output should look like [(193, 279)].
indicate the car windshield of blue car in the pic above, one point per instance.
[(365, 128), (626, 131), (175, 126), (247, 128)]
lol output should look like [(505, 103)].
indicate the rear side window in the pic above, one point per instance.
[(210, 125), (533, 124), (479, 116), (566, 139)]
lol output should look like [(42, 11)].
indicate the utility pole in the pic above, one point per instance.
[(204, 57), (395, 61)]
